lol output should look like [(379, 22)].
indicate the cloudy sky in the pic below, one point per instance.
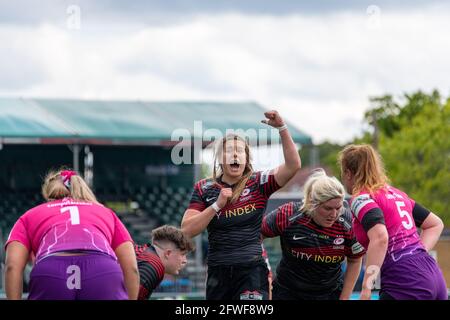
[(317, 62)]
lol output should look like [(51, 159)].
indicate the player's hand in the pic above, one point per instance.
[(224, 196), (366, 294), (273, 119)]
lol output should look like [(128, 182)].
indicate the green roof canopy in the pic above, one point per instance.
[(125, 121)]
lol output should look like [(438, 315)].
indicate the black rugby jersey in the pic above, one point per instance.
[(151, 270), (234, 234), (311, 254)]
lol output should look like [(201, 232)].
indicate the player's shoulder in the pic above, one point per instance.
[(359, 201), (205, 184), (262, 177), (146, 253), (291, 206), (345, 219), (139, 248), (293, 210), (394, 193), (40, 209), (255, 176)]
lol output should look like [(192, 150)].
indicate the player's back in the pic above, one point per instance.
[(69, 224), (397, 209)]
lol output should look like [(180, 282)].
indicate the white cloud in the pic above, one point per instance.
[(318, 69)]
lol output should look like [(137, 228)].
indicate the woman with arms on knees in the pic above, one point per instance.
[(316, 239), (82, 249), (385, 221), (230, 205)]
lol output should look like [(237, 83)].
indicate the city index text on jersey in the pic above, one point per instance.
[(240, 211)]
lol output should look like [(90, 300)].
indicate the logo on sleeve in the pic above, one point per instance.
[(360, 202), (357, 248), (265, 177)]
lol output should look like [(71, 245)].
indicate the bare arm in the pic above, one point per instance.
[(431, 231), (376, 253), (350, 277), (127, 260), (16, 260), (292, 162), (194, 221)]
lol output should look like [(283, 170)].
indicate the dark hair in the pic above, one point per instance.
[(174, 235)]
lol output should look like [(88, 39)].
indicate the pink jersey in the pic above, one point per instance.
[(397, 209), (69, 225)]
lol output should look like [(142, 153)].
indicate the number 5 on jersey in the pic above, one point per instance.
[(403, 213)]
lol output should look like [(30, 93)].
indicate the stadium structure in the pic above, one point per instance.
[(123, 149)]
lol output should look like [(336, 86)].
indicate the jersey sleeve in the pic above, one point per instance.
[(197, 202), (19, 233), (362, 204), (276, 221), (267, 183), (151, 273), (121, 233), (419, 213), (353, 248), (371, 218)]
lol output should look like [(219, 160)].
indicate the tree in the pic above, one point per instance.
[(417, 156), (326, 156)]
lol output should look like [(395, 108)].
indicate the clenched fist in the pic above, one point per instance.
[(273, 119), (224, 196)]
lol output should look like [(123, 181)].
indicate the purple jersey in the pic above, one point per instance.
[(397, 209)]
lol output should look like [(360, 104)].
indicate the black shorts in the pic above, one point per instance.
[(282, 293), (238, 282)]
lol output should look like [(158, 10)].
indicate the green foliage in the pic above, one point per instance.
[(326, 156), (417, 157), (383, 114)]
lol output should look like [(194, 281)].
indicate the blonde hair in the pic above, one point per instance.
[(365, 165), (54, 188), (218, 169), (320, 188)]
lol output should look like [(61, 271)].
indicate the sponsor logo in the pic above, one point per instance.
[(317, 257), (360, 202), (320, 236), (210, 199), (357, 248), (265, 177), (298, 238), (241, 211)]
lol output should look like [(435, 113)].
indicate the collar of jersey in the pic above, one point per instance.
[(219, 180)]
